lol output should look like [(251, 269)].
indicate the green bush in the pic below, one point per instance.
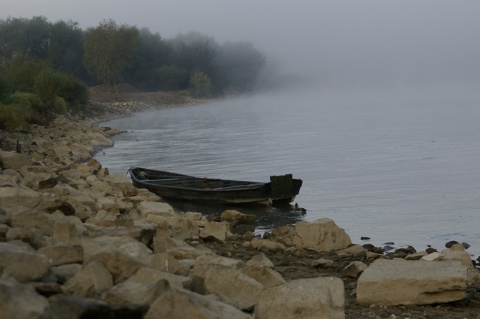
[(13, 117), (74, 92), (200, 84), (5, 89), (47, 85)]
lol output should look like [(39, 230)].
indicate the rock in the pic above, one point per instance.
[(91, 281), (260, 260), (179, 303), (354, 250), (234, 287), (167, 263), (203, 263), (14, 160), (21, 301), (156, 208), (451, 243), (322, 263), (264, 275), (401, 282), (354, 269), (321, 297), (120, 265), (432, 257), (416, 256), (136, 293), (320, 235), (72, 307), (22, 264), (266, 244), (34, 219), (457, 252), (61, 255), (215, 231), (14, 196), (65, 272), (233, 215)]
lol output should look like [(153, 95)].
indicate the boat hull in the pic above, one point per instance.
[(188, 188)]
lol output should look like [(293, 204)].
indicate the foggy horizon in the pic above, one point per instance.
[(334, 43)]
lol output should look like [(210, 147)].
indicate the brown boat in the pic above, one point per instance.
[(189, 188)]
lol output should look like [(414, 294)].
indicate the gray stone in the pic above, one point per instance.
[(401, 282)]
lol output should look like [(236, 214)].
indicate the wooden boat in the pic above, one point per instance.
[(183, 187)]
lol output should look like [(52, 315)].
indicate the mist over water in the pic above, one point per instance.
[(397, 164)]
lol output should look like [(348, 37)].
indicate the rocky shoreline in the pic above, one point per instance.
[(78, 242)]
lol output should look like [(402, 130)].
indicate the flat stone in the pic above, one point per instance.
[(401, 282)]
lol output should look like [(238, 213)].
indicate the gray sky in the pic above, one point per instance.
[(363, 40)]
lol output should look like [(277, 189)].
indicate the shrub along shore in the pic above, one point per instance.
[(76, 241)]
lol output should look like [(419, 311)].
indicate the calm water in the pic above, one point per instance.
[(398, 165)]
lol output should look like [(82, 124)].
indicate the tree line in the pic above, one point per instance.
[(47, 66)]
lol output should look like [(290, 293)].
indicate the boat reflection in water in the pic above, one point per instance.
[(267, 218)]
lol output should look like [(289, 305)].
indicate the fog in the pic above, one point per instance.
[(337, 43)]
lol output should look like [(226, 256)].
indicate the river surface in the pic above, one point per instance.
[(396, 165)]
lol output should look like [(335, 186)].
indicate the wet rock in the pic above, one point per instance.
[(322, 297), (266, 244), (400, 282), (233, 215), (451, 243)]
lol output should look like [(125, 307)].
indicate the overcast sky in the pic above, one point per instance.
[(370, 40)]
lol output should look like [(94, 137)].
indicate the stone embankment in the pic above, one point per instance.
[(78, 242)]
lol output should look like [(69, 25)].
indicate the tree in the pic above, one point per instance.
[(109, 50), (20, 36), (240, 63), (200, 84)]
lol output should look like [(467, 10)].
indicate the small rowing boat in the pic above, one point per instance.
[(184, 187)]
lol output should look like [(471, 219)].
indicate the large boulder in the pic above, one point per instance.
[(21, 263), (234, 287), (401, 282), (179, 303), (322, 297), (120, 264), (14, 160), (91, 281), (216, 231), (21, 301), (320, 235), (63, 254)]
